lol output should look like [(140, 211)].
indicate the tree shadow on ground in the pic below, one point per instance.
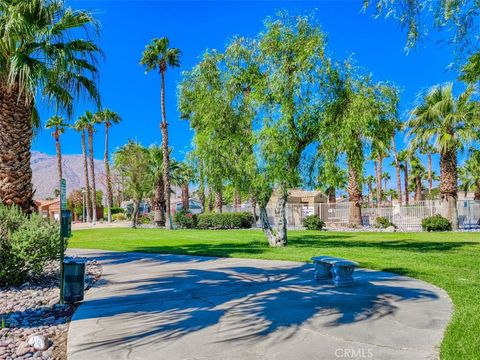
[(250, 303)]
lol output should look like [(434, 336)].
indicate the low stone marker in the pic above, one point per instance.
[(340, 270)]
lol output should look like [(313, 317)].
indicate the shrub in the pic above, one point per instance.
[(436, 223), (185, 219), (26, 243), (313, 222), (144, 219), (119, 217), (383, 223), (114, 210), (240, 220)]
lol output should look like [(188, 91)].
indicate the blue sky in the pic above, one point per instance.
[(193, 26)]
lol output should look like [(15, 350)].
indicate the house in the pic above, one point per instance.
[(49, 208), (195, 206)]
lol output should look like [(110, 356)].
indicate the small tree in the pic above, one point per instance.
[(132, 162)]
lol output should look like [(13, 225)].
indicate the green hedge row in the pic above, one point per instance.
[(240, 220)]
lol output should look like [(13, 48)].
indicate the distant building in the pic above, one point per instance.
[(49, 208), (195, 206)]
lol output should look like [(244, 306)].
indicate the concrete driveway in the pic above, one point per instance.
[(182, 307)]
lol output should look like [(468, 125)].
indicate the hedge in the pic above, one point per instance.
[(436, 223), (239, 220)]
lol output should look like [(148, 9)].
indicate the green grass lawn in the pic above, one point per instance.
[(448, 260)]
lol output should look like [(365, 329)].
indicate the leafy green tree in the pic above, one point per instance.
[(107, 117), (58, 125), (132, 162), (448, 122), (159, 56), (80, 126), (184, 175), (44, 53)]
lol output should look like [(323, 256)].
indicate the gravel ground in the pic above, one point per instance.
[(32, 323)]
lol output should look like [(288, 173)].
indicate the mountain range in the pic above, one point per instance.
[(45, 178)]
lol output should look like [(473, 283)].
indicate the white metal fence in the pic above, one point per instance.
[(405, 217)]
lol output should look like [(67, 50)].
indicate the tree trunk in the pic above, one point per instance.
[(281, 216), (87, 181), (237, 200), (379, 180), (418, 188), (448, 186), (108, 178), (166, 155), (92, 172), (405, 182), (266, 227), (136, 204), (331, 193), (159, 203), (211, 202), (397, 171), (253, 201), (15, 143), (219, 201), (476, 194), (430, 177), (355, 198), (58, 149), (370, 193), (185, 196)]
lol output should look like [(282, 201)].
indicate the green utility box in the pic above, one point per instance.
[(74, 280)]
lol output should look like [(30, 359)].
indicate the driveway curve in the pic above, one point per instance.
[(152, 306)]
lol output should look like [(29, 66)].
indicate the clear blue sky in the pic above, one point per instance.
[(127, 26)]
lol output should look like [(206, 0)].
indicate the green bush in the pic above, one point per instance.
[(240, 220), (436, 223), (26, 243), (383, 223), (119, 217), (144, 219), (185, 219), (313, 222), (114, 210)]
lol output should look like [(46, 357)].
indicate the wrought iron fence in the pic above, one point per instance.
[(405, 217)]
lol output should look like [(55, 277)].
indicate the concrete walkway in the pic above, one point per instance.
[(182, 307)]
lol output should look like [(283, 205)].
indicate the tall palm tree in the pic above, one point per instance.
[(369, 180), (158, 56), (89, 119), (108, 118), (448, 122), (81, 125), (429, 150), (58, 125), (397, 126), (386, 178), (42, 52)]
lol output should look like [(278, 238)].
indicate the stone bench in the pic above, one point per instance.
[(340, 270)]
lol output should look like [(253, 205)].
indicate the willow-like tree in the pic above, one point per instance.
[(58, 125), (44, 53), (448, 122), (159, 56), (133, 164), (107, 117)]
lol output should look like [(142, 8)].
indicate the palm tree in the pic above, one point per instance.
[(397, 126), (386, 178), (58, 125), (403, 158), (81, 125), (42, 52), (107, 117), (448, 122), (369, 180), (158, 56), (155, 154), (469, 175), (183, 175), (429, 150), (89, 120), (379, 152), (417, 172)]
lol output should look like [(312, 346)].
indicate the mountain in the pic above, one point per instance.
[(45, 178)]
